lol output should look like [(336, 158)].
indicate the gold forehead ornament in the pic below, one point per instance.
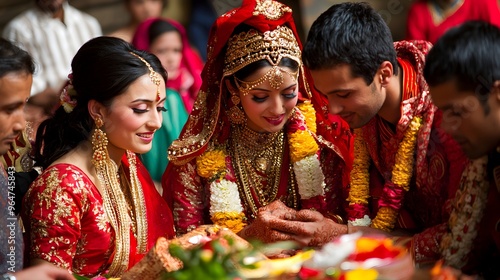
[(274, 76), (251, 46), (153, 75)]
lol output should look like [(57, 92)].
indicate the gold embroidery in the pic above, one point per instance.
[(270, 9), (191, 142), (51, 184), (191, 191)]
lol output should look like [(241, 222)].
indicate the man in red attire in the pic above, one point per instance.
[(463, 72), (405, 167)]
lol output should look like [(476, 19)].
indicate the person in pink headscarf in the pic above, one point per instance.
[(167, 39)]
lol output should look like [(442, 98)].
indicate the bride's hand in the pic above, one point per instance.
[(310, 228), (266, 225)]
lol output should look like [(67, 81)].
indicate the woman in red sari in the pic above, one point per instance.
[(259, 149), (94, 209)]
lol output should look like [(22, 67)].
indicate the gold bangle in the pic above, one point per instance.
[(336, 218)]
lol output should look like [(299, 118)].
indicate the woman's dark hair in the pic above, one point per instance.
[(159, 27), (102, 69), (351, 34), (14, 59)]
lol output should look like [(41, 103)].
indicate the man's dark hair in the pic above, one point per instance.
[(351, 34), (469, 55), (14, 59)]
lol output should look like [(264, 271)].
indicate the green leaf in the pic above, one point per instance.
[(78, 277)]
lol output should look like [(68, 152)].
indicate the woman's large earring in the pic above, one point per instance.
[(99, 145), (235, 114)]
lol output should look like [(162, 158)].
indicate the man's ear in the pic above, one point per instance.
[(385, 73), (495, 90)]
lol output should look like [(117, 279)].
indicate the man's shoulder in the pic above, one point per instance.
[(20, 21), (412, 47)]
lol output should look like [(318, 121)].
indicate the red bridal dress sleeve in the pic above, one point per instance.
[(65, 219), (183, 188)]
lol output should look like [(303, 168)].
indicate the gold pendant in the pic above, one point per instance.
[(261, 164)]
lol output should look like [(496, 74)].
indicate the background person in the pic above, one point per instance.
[(16, 74), (51, 33), (139, 11), (463, 72)]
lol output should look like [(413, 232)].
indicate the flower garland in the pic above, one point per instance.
[(68, 94), (225, 203), (394, 190), (468, 208)]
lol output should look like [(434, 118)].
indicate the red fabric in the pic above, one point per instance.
[(190, 67), (67, 223), (421, 26), (160, 220)]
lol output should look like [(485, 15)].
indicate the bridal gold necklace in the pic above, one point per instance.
[(257, 160)]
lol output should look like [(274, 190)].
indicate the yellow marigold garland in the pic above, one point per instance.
[(403, 167), (309, 113), (231, 220), (302, 145), (211, 163), (360, 177), (401, 174)]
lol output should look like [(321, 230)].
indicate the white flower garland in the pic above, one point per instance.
[(361, 222), (310, 178), (224, 197)]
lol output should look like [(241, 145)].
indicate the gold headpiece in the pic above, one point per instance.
[(274, 76), (155, 77), (251, 46)]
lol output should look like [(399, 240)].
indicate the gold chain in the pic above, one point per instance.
[(258, 159), (120, 213)]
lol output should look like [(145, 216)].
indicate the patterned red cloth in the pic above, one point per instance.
[(484, 256), (65, 217)]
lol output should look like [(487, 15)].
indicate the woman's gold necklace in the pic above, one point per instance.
[(258, 159)]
